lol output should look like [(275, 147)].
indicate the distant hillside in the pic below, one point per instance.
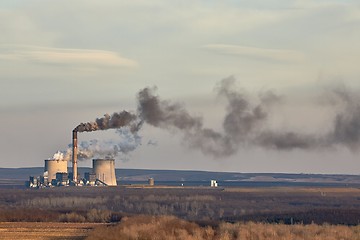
[(182, 175), (20, 173)]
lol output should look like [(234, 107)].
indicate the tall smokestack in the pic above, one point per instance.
[(74, 156)]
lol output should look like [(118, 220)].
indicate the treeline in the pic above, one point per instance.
[(41, 215)]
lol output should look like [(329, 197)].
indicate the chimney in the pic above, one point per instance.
[(74, 156)]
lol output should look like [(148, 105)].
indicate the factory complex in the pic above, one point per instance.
[(56, 174)]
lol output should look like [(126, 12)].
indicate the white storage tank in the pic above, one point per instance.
[(104, 170), (53, 166), (213, 183), (151, 182)]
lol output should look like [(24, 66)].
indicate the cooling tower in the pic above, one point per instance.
[(105, 171), (53, 166)]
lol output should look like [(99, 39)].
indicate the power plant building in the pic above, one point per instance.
[(62, 179), (89, 178), (56, 172)]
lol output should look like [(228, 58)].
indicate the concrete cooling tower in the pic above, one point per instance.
[(54, 166), (105, 171)]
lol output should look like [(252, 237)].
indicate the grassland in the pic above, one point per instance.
[(110, 204), (172, 228), (44, 230), (216, 214)]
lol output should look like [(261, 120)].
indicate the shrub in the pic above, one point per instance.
[(150, 227), (172, 228), (96, 215), (71, 217)]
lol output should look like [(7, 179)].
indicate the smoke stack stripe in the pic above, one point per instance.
[(74, 156)]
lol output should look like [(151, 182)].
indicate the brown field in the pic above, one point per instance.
[(172, 228), (203, 205), (43, 230)]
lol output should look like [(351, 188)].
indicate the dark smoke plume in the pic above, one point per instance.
[(346, 130), (287, 140), (164, 114), (127, 125), (244, 124), (240, 122), (116, 120), (241, 118)]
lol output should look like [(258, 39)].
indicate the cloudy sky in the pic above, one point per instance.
[(66, 62)]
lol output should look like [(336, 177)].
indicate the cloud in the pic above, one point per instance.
[(64, 56), (282, 55)]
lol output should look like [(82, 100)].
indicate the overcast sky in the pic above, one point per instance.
[(66, 62)]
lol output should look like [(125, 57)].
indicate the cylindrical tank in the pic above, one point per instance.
[(151, 181), (105, 171), (53, 166)]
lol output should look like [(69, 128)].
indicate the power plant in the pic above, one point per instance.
[(56, 172)]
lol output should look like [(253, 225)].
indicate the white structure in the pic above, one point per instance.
[(151, 182), (213, 183)]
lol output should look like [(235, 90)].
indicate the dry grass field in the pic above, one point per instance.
[(43, 230), (172, 228), (247, 213), (258, 204)]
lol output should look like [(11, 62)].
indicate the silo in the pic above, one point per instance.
[(151, 181), (105, 171), (53, 166)]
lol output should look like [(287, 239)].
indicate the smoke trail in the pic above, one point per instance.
[(127, 125), (241, 118), (164, 114), (288, 140), (245, 124), (240, 122), (109, 148), (128, 141), (346, 129), (116, 120)]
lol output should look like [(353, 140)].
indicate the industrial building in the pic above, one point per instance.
[(213, 183), (56, 174)]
